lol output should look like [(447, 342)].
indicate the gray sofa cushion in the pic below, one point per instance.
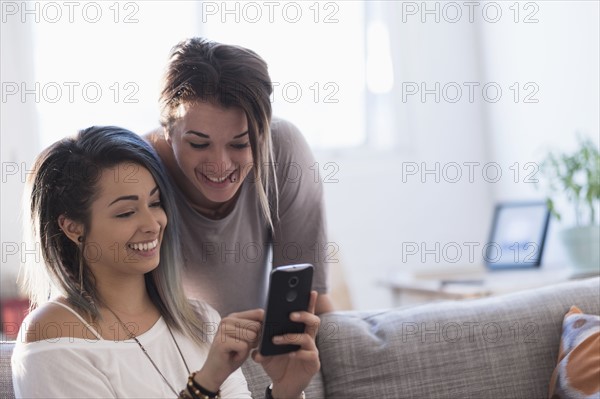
[(6, 386), (499, 347), (507, 348)]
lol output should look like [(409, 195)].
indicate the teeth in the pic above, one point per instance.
[(216, 180), (144, 246), (219, 180)]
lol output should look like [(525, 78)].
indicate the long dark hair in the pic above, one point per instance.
[(64, 183)]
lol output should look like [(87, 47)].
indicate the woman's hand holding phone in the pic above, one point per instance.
[(237, 335), (291, 372), (288, 352)]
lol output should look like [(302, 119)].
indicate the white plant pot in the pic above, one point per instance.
[(583, 248)]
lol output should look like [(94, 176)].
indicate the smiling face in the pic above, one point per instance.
[(211, 146), (127, 222)]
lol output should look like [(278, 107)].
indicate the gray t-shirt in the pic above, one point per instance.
[(227, 261)]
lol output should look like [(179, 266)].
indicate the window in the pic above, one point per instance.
[(316, 56), (102, 63)]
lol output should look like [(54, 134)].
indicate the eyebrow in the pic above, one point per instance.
[(206, 136), (132, 197)]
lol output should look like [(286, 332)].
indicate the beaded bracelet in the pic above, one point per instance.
[(197, 391)]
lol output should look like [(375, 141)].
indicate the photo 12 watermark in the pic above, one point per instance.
[(316, 92), (452, 12), (53, 12), (252, 12), (21, 172), (453, 332), (70, 92), (468, 171), (71, 331), (253, 252), (21, 252), (454, 252), (469, 92), (211, 251), (288, 172)]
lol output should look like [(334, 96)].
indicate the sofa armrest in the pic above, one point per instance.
[(504, 346)]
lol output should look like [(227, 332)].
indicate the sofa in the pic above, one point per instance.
[(497, 347)]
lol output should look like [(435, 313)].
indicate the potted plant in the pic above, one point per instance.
[(576, 175)]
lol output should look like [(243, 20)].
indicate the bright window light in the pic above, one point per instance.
[(105, 72), (108, 71), (316, 57), (380, 75)]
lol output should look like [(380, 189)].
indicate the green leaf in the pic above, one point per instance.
[(575, 175)]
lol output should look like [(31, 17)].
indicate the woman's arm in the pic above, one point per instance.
[(238, 334), (300, 229), (324, 304)]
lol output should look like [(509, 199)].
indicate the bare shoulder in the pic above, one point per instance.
[(51, 321)]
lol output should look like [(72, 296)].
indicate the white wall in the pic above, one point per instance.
[(560, 54), (19, 145), (371, 212)]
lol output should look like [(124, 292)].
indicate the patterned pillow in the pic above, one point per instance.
[(577, 374)]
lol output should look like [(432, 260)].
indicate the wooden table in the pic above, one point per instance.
[(430, 284)]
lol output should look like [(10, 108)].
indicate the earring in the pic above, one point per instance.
[(80, 239), (82, 291)]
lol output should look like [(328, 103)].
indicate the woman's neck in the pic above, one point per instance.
[(213, 210), (126, 297)]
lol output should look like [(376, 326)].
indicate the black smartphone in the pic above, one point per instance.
[(289, 291)]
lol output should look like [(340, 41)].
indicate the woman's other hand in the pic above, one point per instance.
[(291, 372), (237, 335)]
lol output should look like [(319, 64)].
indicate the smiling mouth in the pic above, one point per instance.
[(145, 246), (232, 177)]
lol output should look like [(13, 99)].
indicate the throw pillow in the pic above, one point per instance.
[(577, 374)]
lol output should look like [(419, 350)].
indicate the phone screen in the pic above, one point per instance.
[(289, 291)]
